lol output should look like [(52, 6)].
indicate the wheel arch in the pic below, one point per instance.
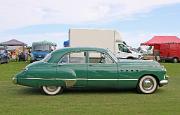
[(149, 75), (130, 57), (176, 58)]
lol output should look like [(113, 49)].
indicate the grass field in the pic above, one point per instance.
[(21, 100)]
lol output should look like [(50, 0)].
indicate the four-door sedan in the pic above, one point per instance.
[(91, 68)]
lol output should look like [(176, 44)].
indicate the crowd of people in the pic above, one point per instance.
[(18, 55)]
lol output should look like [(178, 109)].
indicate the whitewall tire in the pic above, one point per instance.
[(147, 85), (52, 90)]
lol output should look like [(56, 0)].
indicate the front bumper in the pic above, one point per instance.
[(164, 82)]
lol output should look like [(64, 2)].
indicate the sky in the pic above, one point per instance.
[(136, 20)]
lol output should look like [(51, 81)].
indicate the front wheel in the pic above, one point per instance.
[(147, 85), (52, 90)]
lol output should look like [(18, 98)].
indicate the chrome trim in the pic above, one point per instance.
[(113, 79), (81, 79), (148, 84), (14, 80), (163, 82), (47, 79)]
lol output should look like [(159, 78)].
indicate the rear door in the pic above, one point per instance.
[(73, 66)]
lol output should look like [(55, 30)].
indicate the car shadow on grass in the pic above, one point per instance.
[(72, 91), (30, 91), (82, 91), (98, 91)]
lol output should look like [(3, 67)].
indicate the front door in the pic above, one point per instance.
[(102, 70)]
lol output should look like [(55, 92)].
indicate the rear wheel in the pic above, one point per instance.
[(147, 85), (175, 60), (52, 90)]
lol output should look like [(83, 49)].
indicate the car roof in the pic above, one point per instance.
[(60, 52), (69, 49)]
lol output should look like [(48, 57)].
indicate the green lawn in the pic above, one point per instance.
[(20, 100)]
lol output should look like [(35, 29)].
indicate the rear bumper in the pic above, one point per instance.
[(14, 80)]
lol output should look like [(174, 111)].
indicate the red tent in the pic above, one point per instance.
[(162, 40), (166, 47)]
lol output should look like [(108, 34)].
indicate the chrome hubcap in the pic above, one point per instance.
[(51, 88), (147, 84)]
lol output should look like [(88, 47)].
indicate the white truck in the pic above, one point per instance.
[(110, 39)]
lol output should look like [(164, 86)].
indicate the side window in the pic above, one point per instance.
[(120, 46), (98, 57), (123, 48), (74, 57)]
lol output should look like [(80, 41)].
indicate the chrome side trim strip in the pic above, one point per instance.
[(84, 79), (31, 78), (110, 79), (47, 79)]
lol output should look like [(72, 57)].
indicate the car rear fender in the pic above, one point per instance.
[(68, 76)]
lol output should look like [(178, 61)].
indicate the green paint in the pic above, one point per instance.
[(120, 74)]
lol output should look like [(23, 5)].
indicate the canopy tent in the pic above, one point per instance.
[(162, 40), (13, 42)]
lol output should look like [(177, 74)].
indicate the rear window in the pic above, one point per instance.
[(74, 57)]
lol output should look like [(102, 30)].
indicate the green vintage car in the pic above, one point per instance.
[(91, 68)]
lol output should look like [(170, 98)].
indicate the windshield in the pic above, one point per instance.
[(46, 59), (41, 48), (112, 55)]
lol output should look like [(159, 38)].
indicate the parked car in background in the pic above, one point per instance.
[(170, 52), (40, 50), (4, 58), (91, 68)]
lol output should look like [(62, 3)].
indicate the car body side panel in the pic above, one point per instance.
[(122, 74), (43, 73), (102, 75), (130, 73), (76, 73)]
